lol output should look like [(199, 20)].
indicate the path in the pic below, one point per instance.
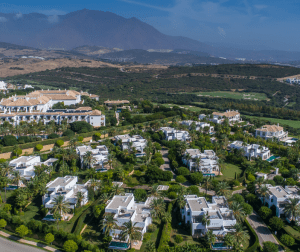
[(11, 246), (262, 231), (166, 165)]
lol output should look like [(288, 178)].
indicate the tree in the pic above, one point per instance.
[(68, 133), (265, 212), (222, 188), (205, 219), (240, 234), (39, 147), (117, 190), (9, 140), (81, 127), (196, 178), (60, 206), (140, 194), (89, 159), (108, 224), (276, 223), (206, 183), (287, 240), (150, 246), (238, 211), (166, 217), (248, 209), (263, 192), (59, 142), (180, 179), (22, 230), (270, 247), (131, 232), (210, 237), (3, 223), (183, 171), (80, 198), (158, 207), (292, 209), (49, 238), (70, 246)]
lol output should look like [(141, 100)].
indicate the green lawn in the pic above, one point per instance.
[(229, 172), (32, 210), (153, 238), (294, 124), (234, 95), (189, 107)]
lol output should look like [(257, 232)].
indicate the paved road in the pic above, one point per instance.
[(166, 165), (262, 231), (10, 246)]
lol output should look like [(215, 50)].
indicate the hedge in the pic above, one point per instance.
[(80, 221), (166, 232), (255, 247)]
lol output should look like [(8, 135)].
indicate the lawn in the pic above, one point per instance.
[(189, 107), (32, 210), (229, 172), (234, 95), (153, 238), (293, 124)]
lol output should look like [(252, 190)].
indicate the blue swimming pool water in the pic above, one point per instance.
[(272, 158), (208, 174), (118, 244)]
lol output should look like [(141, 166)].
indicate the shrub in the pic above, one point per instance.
[(3, 223), (97, 136), (81, 127), (59, 142), (194, 190), (146, 237), (151, 228), (172, 195), (80, 138), (140, 194), (270, 247), (178, 239), (196, 178), (22, 230), (17, 152), (236, 183), (247, 208), (53, 136), (276, 223), (238, 198), (265, 212), (7, 208), (183, 171), (287, 240), (180, 179), (251, 177), (9, 140), (49, 238), (69, 133), (39, 147), (70, 246)]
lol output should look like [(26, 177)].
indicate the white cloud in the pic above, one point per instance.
[(18, 15), (53, 19), (3, 19)]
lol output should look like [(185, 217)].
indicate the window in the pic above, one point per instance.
[(188, 213)]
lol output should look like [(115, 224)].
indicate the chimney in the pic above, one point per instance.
[(278, 124)]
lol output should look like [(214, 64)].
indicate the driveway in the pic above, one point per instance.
[(166, 165), (262, 231), (10, 246)]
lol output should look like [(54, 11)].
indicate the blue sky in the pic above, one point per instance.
[(255, 24)]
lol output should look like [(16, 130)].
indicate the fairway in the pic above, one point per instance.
[(234, 95), (189, 107), (294, 124)]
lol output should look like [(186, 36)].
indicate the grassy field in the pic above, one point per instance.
[(229, 172), (294, 124), (189, 107), (234, 95)]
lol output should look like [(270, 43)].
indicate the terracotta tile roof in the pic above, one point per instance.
[(270, 128), (74, 114), (84, 108), (60, 97), (227, 114), (93, 95), (95, 112)]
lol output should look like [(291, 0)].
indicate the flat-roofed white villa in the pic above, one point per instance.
[(68, 188), (208, 161), (135, 141), (221, 217), (271, 132), (124, 208), (251, 150), (199, 125), (279, 197), (100, 155), (173, 134)]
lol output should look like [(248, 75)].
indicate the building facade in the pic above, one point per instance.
[(173, 134), (271, 132), (251, 150), (100, 155), (199, 125), (135, 141)]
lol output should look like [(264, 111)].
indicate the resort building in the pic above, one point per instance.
[(206, 162), (251, 150), (199, 125), (100, 156), (125, 209), (173, 134), (271, 132), (68, 188), (93, 117), (129, 142), (117, 103), (221, 217), (279, 196), (91, 96), (217, 117)]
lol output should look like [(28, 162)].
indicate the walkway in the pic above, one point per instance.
[(262, 231), (166, 165), (11, 246)]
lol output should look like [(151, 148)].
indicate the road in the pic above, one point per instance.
[(166, 165), (10, 246), (262, 231)]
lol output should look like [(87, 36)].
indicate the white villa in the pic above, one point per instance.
[(135, 141), (173, 134), (124, 208), (271, 132), (3, 85), (67, 187), (279, 196), (199, 125), (217, 117), (25, 165), (208, 164), (221, 217), (100, 155), (251, 150)]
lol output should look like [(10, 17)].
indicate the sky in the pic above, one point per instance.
[(246, 24)]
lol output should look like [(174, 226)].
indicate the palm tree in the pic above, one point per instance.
[(88, 159), (104, 198), (238, 211), (60, 206), (111, 159), (80, 198), (117, 190), (108, 224), (205, 220), (166, 217), (17, 178), (210, 237), (73, 143), (154, 192), (240, 235), (131, 232), (198, 161), (157, 206), (292, 208), (263, 192), (4, 172), (222, 188), (150, 246), (206, 183)]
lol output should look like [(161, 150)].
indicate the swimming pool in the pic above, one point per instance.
[(49, 217), (119, 245), (209, 174), (101, 170), (272, 158), (219, 246)]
